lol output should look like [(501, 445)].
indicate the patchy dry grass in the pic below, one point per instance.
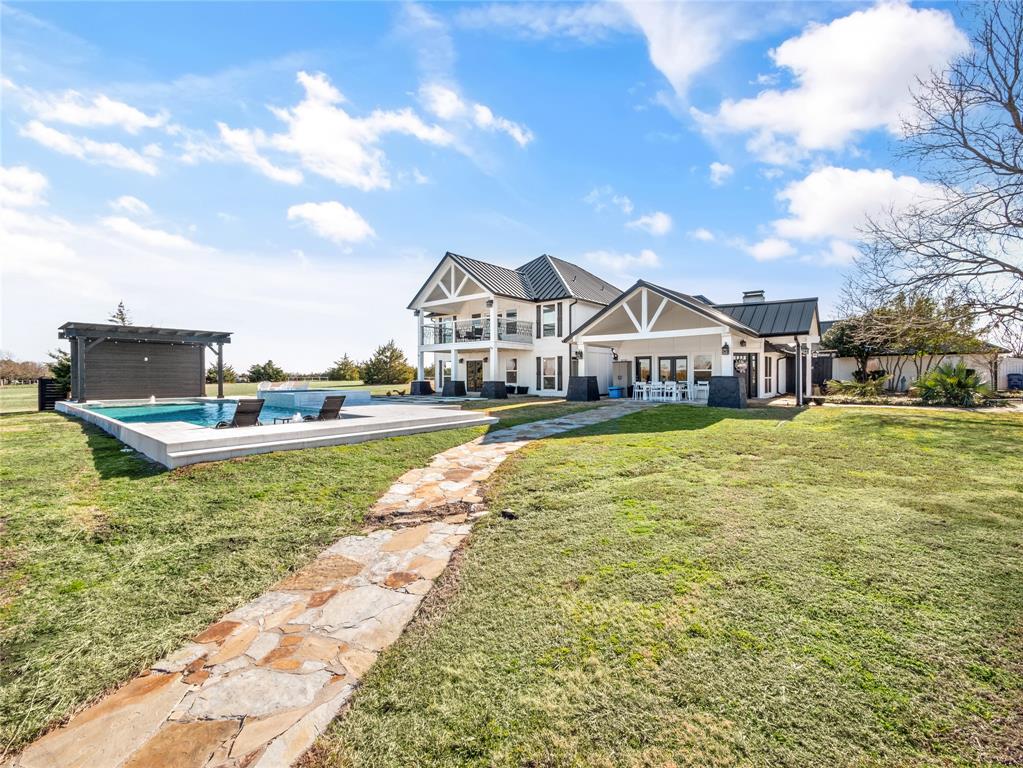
[(696, 587)]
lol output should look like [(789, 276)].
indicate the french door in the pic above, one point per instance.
[(473, 375), (673, 368), (745, 366)]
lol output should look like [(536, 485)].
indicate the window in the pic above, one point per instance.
[(550, 373), (644, 369), (445, 372), (549, 320), (511, 371), (768, 377), (703, 365), (673, 368)]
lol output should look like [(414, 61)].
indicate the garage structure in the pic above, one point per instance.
[(122, 362)]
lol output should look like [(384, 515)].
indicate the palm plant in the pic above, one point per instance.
[(949, 384)]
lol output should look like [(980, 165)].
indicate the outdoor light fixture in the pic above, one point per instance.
[(461, 360), (490, 303), (725, 349), (614, 355), (578, 354), (742, 342), (486, 359)]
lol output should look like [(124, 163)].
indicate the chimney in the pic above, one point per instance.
[(752, 297)]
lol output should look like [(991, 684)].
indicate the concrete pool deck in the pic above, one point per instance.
[(177, 443)]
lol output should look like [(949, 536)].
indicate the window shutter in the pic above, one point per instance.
[(560, 359), (539, 328), (559, 326), (539, 366)]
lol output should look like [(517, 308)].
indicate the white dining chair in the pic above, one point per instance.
[(639, 391)]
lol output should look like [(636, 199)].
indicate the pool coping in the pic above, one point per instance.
[(176, 443)]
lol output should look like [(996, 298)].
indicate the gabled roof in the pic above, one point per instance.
[(764, 318), (689, 302), (774, 318), (542, 279)]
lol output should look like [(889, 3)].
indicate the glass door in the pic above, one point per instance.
[(644, 369), (473, 375), (745, 366), (673, 368)]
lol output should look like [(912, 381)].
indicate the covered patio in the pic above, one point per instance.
[(666, 345)]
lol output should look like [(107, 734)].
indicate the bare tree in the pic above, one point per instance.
[(964, 243)]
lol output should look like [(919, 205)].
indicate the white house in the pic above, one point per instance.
[(535, 326)]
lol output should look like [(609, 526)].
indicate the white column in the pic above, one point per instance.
[(808, 371), (581, 350), (727, 369), (454, 364), (419, 345), (493, 341)]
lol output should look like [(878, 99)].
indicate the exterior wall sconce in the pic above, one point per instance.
[(461, 360), (486, 359), (742, 342), (415, 312), (614, 354), (725, 349), (578, 354), (490, 303)]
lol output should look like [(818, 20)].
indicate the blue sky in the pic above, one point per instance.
[(292, 172)]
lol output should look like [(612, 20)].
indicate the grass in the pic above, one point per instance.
[(18, 397), (697, 587), (108, 562)]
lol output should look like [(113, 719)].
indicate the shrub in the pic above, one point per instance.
[(950, 384), (869, 389), (230, 376)]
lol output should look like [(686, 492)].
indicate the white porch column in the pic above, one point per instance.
[(454, 364), (493, 341), (727, 367), (419, 345), (808, 371), (581, 350)]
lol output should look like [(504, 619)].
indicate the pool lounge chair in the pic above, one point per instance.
[(330, 410), (246, 414)]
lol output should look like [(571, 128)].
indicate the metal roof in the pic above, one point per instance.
[(542, 279), (825, 325), (74, 330), (774, 318)]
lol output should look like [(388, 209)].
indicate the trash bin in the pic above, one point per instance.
[(616, 392)]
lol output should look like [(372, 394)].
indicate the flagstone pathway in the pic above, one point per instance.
[(255, 689)]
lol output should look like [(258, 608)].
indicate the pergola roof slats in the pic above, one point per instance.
[(74, 330)]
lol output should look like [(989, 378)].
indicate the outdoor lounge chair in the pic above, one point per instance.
[(330, 410), (246, 414)]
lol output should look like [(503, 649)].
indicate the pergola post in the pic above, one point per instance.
[(80, 370), (220, 369)]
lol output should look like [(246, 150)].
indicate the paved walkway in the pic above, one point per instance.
[(255, 689)]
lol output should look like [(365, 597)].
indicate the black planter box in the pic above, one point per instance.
[(454, 389), (727, 392), (421, 388), (494, 390), (582, 388)]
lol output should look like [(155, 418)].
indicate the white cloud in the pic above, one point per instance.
[(622, 262), (148, 236), (769, 249), (84, 263), (326, 139), (604, 196), (587, 22), (827, 208), (851, 75), (21, 187), (130, 205), (244, 145), (333, 221), (720, 173), (702, 234), (73, 108), (445, 103), (656, 223), (835, 202), (97, 152)]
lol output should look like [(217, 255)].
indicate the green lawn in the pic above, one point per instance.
[(698, 587), (107, 561), (18, 397)]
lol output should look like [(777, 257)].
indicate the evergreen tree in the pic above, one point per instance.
[(268, 371), (60, 369), (120, 315), (387, 366), (345, 369), (230, 375)]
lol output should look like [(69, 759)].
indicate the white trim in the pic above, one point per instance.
[(657, 313), (456, 299), (586, 339), (632, 317)]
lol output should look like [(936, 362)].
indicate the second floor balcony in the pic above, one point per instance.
[(466, 331)]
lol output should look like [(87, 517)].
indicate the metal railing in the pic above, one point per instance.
[(463, 331)]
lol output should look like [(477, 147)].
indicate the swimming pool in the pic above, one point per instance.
[(200, 413)]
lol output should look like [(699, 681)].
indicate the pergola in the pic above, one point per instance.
[(132, 361)]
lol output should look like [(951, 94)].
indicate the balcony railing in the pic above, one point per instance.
[(462, 331)]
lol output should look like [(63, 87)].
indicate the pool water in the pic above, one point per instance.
[(203, 414)]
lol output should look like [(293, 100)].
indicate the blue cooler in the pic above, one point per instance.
[(616, 393)]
